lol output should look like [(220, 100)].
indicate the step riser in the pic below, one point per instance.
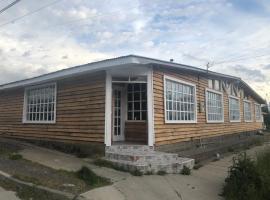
[(174, 168), (142, 158)]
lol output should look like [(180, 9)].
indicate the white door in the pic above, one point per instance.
[(118, 123)]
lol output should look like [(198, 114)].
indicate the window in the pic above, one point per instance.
[(247, 111), (214, 84), (258, 113), (40, 104), (180, 98), (234, 111), (214, 106), (137, 101)]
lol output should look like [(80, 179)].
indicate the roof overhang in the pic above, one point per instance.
[(131, 60)]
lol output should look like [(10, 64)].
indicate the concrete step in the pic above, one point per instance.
[(131, 148), (145, 159)]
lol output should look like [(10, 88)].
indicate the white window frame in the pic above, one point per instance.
[(25, 104), (237, 98), (195, 101), (127, 111), (206, 105), (255, 114), (247, 101)]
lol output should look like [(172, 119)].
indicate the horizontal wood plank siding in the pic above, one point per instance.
[(136, 131), (174, 133), (80, 111)]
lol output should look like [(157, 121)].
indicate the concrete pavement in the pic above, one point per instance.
[(204, 184), (7, 195)]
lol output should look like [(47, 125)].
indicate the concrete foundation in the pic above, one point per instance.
[(204, 148)]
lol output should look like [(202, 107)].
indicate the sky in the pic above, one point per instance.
[(233, 36)]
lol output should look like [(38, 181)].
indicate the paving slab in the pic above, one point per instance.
[(104, 193), (7, 195)]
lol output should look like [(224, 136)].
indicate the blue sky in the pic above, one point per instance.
[(233, 35)]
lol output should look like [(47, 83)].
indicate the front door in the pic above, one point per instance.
[(118, 130)]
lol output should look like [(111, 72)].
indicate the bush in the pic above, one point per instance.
[(136, 172), (248, 179), (161, 173), (186, 171)]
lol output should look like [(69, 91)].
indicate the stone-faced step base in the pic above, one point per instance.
[(145, 159)]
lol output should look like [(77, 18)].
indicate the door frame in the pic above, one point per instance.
[(122, 113), (139, 70)]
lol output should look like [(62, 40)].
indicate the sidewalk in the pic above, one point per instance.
[(7, 195), (204, 184)]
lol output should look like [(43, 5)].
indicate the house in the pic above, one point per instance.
[(129, 100)]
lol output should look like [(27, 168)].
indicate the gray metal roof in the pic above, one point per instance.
[(124, 60)]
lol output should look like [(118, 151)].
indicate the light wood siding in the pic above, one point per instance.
[(80, 111), (173, 133), (136, 131)]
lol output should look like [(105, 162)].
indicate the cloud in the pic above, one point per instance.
[(266, 67), (248, 73), (191, 32)]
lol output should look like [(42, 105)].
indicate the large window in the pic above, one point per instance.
[(180, 100), (137, 101), (40, 103), (214, 106), (258, 112), (247, 111), (234, 105)]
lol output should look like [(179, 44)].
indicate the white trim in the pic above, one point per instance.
[(120, 137), (104, 65), (150, 108), (237, 98), (206, 105), (108, 110), (166, 77), (25, 104), (247, 101), (255, 114)]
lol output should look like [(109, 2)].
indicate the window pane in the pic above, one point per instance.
[(234, 109), (247, 111), (137, 101), (214, 106), (40, 104), (180, 101)]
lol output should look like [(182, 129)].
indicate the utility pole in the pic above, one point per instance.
[(208, 65)]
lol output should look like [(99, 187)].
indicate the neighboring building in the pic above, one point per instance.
[(130, 99)]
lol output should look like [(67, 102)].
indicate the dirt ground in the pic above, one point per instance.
[(38, 174)]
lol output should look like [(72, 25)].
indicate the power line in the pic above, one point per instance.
[(240, 58), (9, 6), (30, 13)]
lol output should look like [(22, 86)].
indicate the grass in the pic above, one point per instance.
[(15, 156), (248, 179), (27, 179), (29, 193), (90, 178), (105, 163)]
